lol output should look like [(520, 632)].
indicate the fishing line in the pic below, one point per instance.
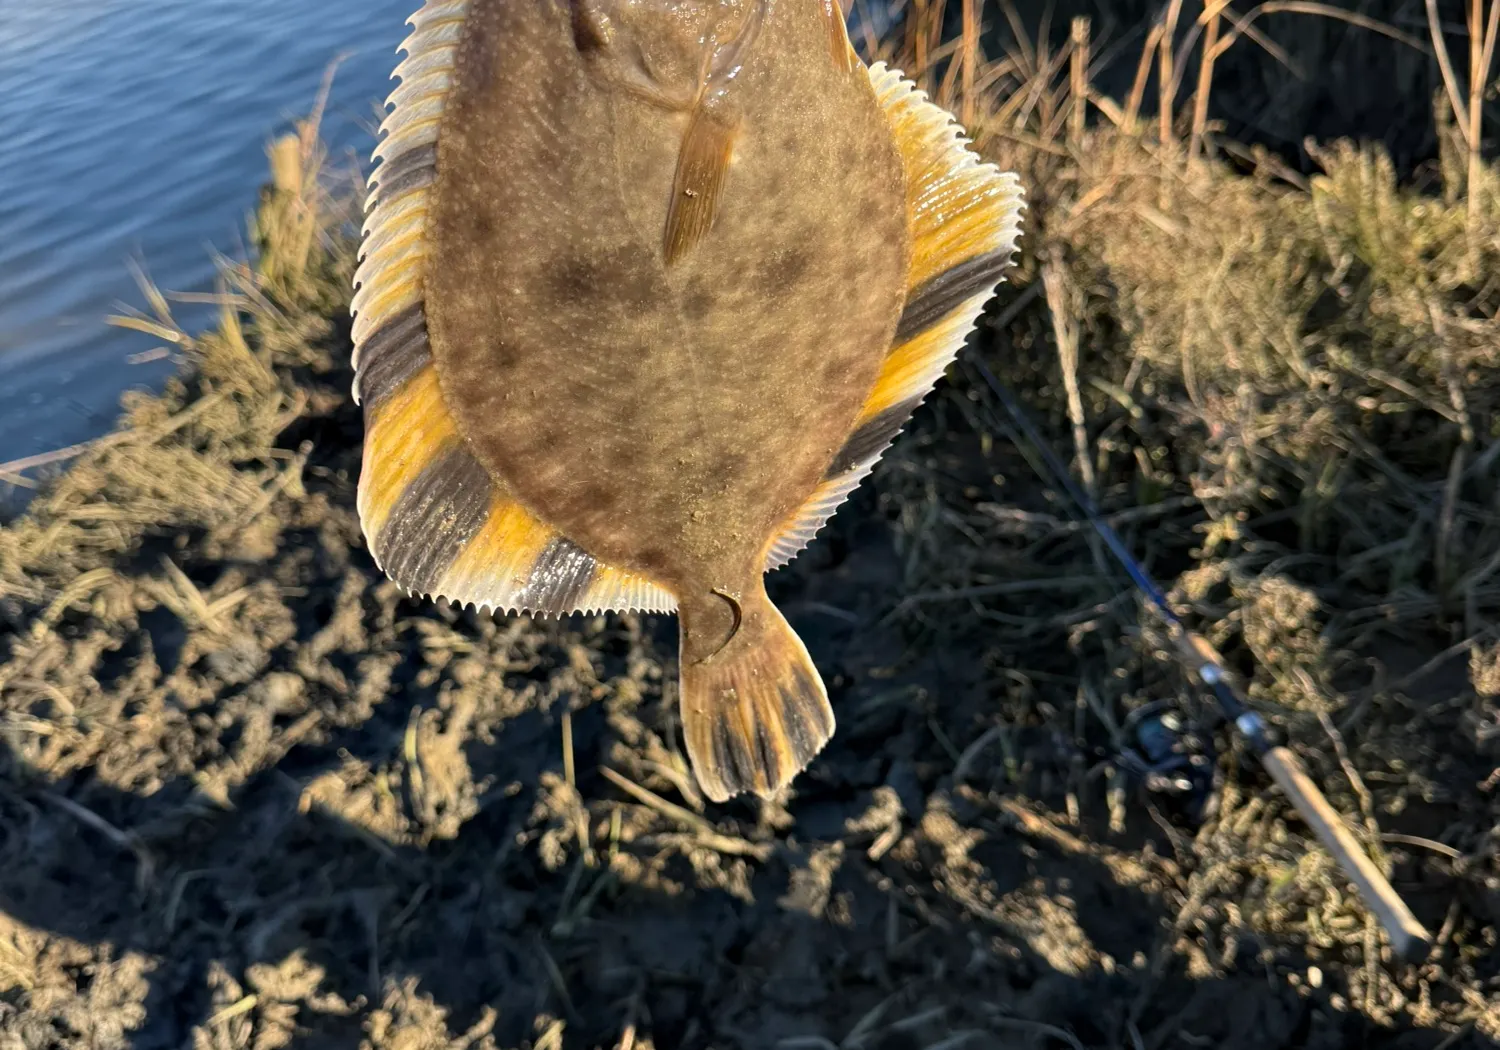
[(1409, 939)]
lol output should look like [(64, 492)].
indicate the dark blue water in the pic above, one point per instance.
[(136, 130)]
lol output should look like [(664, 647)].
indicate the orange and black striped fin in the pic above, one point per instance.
[(393, 257), (440, 526), (755, 713), (435, 520), (512, 561), (965, 221)]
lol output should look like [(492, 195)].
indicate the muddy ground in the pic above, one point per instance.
[(251, 796)]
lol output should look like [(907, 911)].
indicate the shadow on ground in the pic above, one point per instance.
[(908, 915)]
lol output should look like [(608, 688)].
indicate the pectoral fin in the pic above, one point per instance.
[(839, 47), (702, 165)]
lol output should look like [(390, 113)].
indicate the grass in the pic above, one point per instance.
[(1301, 362), (203, 454), (1281, 384), (1277, 385)]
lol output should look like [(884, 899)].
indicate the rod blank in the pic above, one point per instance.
[(1409, 938)]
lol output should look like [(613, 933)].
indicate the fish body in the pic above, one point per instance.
[(648, 286)]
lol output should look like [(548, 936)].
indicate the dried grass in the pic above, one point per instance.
[(1281, 385)]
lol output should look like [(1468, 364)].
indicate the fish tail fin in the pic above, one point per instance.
[(755, 713)]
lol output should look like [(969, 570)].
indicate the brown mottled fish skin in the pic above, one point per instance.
[(668, 417)]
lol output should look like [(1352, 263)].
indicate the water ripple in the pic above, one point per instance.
[(136, 129)]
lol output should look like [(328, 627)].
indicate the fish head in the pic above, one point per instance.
[(667, 52)]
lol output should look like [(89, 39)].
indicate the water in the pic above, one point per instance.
[(136, 130)]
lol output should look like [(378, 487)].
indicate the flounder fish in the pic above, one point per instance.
[(646, 289)]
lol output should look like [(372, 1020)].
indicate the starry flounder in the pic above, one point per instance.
[(647, 288)]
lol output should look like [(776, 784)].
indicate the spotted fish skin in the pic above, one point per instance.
[(667, 417), (648, 287)]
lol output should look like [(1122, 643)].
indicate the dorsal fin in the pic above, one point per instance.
[(965, 220), (436, 522)]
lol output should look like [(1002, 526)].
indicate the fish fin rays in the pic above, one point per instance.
[(842, 51), (698, 185), (965, 221), (755, 714), (515, 562), (440, 526), (393, 255), (811, 517), (436, 522)]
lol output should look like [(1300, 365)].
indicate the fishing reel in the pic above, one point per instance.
[(1161, 752)]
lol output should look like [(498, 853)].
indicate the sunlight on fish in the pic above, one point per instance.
[(647, 288)]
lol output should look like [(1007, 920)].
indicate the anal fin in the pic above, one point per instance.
[(435, 520), (515, 561), (965, 221)]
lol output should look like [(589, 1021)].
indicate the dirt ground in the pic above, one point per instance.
[(279, 804), (251, 796)]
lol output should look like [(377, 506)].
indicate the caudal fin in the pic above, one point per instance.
[(755, 713)]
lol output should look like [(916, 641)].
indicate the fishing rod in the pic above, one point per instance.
[(1409, 938)]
